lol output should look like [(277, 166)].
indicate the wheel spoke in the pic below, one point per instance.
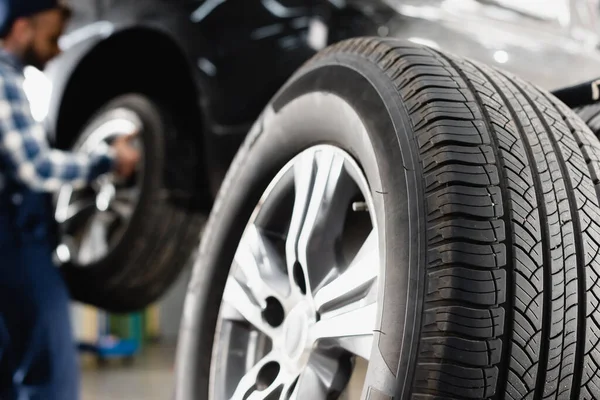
[(76, 211), (317, 379), (239, 298), (123, 210), (260, 266), (247, 388), (351, 330), (304, 170), (322, 190), (129, 195), (94, 241), (271, 393), (309, 386), (313, 233), (355, 282)]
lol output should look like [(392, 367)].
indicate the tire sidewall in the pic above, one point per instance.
[(347, 102)]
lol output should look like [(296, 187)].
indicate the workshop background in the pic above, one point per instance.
[(131, 356)]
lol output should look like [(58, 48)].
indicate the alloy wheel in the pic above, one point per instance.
[(301, 301), (92, 219)]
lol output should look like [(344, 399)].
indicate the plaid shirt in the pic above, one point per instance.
[(25, 155)]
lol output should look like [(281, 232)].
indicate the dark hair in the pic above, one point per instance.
[(65, 10), (6, 28)]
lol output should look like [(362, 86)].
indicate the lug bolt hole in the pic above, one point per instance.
[(299, 278), (267, 375), (273, 312)]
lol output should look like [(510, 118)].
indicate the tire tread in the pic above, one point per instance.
[(512, 181)]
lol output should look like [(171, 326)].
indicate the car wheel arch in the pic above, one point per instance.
[(115, 65)]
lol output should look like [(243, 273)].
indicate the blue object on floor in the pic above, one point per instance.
[(109, 346)]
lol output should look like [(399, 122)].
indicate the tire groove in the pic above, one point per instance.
[(508, 322), (546, 244), (581, 326)]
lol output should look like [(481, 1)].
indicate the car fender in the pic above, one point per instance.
[(75, 46)]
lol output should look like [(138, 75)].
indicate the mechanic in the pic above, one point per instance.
[(38, 356)]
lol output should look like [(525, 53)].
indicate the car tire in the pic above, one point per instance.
[(488, 218), (161, 233), (590, 114)]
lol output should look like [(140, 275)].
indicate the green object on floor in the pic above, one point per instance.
[(130, 326)]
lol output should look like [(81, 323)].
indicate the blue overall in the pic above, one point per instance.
[(38, 358), (38, 355)]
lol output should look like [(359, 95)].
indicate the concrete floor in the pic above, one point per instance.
[(148, 377)]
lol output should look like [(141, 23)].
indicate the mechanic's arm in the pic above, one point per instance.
[(30, 159)]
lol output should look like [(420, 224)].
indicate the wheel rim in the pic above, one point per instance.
[(300, 304), (92, 219)]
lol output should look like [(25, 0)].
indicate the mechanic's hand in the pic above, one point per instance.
[(127, 156)]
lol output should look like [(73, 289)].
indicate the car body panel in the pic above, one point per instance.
[(241, 52), (545, 52)]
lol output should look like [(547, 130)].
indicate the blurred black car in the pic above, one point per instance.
[(195, 75), (402, 204)]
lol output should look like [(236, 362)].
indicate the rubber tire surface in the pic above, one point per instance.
[(161, 236), (591, 116), (484, 188)]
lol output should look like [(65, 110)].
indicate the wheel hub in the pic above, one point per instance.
[(295, 333)]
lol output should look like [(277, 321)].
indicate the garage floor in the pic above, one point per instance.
[(148, 377)]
